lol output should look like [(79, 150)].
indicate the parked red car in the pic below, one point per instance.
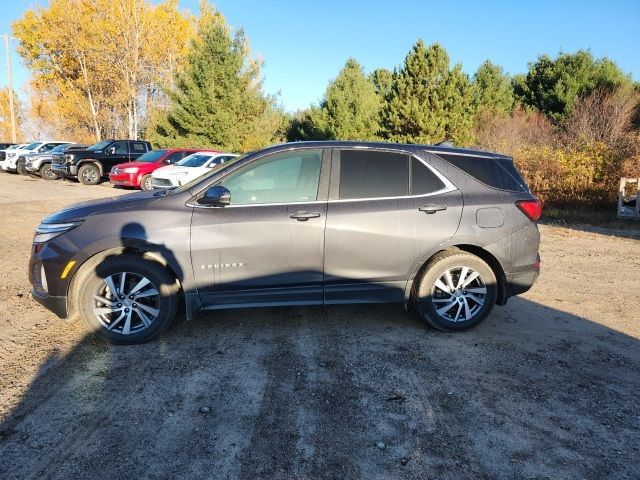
[(138, 173)]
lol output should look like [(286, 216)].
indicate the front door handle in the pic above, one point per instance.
[(304, 216), (432, 208)]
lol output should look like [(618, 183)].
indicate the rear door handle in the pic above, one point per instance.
[(304, 216), (432, 208)]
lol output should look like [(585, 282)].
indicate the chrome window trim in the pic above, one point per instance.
[(448, 187)]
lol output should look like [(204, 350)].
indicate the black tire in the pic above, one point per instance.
[(46, 173), (467, 301), (89, 174), (145, 183), (98, 315), (21, 168)]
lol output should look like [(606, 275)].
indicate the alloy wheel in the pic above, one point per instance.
[(89, 175), (459, 294), (48, 174), (126, 303)]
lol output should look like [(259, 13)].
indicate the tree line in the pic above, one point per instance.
[(115, 68)]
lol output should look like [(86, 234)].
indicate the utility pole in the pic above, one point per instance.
[(10, 80)]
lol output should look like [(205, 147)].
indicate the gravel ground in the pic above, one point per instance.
[(547, 387)]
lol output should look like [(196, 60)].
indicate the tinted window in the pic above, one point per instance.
[(285, 178), (175, 157), (137, 147), (500, 174), (423, 180), (121, 148), (370, 174)]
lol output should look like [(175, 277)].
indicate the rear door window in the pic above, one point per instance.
[(423, 180), (372, 174), (138, 147)]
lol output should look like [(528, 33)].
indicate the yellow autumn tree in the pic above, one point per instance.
[(98, 62)]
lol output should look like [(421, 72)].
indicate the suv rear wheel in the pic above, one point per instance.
[(126, 299), (89, 174), (46, 172), (456, 292)]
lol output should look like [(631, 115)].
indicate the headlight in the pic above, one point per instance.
[(48, 231), (131, 170), (11, 155)]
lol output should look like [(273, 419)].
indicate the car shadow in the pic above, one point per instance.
[(357, 391)]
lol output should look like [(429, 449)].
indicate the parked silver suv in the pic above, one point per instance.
[(449, 232)]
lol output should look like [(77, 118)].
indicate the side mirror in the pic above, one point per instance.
[(111, 150), (217, 196)]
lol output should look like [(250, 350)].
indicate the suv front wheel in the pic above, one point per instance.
[(126, 299), (46, 172), (456, 292)]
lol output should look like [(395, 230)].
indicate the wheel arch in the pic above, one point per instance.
[(95, 259), (97, 163), (488, 257)]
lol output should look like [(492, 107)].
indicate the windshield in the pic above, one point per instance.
[(99, 145), (152, 156), (213, 171), (194, 160), (31, 146)]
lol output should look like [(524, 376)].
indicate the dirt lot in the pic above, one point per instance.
[(547, 387)]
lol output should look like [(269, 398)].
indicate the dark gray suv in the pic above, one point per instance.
[(446, 231)]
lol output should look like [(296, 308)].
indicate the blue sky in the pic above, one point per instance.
[(305, 43)]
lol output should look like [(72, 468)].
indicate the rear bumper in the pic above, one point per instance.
[(520, 281), (57, 305)]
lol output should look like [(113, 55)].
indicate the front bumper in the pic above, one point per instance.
[(57, 305), (64, 170), (124, 179), (8, 166), (50, 272), (159, 183), (32, 167)]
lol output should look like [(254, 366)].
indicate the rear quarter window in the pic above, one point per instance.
[(498, 173)]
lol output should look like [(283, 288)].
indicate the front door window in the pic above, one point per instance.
[(285, 178)]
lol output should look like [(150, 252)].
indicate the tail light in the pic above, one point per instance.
[(531, 208)]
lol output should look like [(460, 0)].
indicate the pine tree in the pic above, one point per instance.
[(554, 86), (428, 102), (382, 80), (217, 100), (493, 92), (351, 107)]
